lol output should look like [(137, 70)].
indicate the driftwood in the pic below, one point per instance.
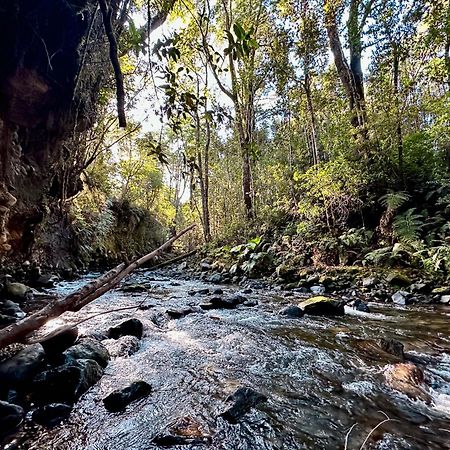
[(17, 332), (173, 260)]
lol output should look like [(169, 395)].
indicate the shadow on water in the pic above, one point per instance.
[(319, 376)]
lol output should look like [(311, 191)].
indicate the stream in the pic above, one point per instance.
[(319, 378)]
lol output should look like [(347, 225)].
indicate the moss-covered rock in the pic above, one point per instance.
[(322, 306)]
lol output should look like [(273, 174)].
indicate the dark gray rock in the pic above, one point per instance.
[(178, 313), (292, 311), (134, 288), (9, 308), (243, 399), (217, 291), (131, 327), (88, 348), (66, 383), (60, 340), (359, 305), (52, 414), (215, 278), (22, 367), (121, 398), (11, 416)]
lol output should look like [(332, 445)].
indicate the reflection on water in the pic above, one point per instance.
[(318, 376)]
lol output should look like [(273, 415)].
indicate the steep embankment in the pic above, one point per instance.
[(47, 94)]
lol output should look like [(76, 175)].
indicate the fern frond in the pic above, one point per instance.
[(393, 200), (407, 226)]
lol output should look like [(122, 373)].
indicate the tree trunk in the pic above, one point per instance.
[(398, 128), (351, 75)]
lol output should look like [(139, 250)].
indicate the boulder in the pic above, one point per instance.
[(52, 414), (292, 311), (122, 347), (419, 288), (66, 383), (11, 416), (401, 298), (22, 367), (121, 398), (131, 327), (217, 291), (18, 290), (398, 279), (60, 340), (445, 299), (322, 306), (185, 431), (287, 271), (88, 348), (243, 399)]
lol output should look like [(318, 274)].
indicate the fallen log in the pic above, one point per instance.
[(17, 332), (173, 260)]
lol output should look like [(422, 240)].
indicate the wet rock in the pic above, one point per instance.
[(88, 348), (52, 414), (22, 367), (392, 346), (9, 308), (408, 379), (134, 288), (317, 290), (243, 399), (445, 299), (122, 347), (66, 383), (45, 281), (217, 291), (322, 306), (292, 311), (401, 298), (398, 279), (359, 305), (132, 327), (121, 398), (287, 271), (178, 313), (250, 303), (11, 416), (60, 340)]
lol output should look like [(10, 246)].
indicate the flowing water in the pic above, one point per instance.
[(318, 374)]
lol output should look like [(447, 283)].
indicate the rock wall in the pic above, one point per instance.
[(47, 93)]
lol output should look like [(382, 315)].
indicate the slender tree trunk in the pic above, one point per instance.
[(314, 141), (398, 128)]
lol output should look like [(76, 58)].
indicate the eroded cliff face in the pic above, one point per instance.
[(43, 64)]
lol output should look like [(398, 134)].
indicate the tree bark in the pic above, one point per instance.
[(73, 302), (120, 90)]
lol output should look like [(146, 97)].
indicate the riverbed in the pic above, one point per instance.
[(324, 386)]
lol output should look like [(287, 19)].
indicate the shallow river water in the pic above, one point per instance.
[(317, 373)]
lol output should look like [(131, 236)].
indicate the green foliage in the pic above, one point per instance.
[(408, 225), (394, 200)]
